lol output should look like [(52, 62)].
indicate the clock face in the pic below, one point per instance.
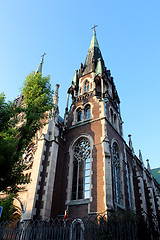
[(28, 155)]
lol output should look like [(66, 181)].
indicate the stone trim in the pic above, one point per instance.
[(78, 202)]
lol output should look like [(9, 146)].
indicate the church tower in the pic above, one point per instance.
[(93, 133)]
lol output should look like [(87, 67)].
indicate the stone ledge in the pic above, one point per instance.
[(78, 202)]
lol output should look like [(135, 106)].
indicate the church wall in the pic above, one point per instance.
[(137, 196), (94, 130), (129, 163), (58, 196), (113, 135)]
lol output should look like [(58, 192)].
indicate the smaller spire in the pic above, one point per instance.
[(140, 156), (39, 69), (75, 78), (55, 102), (98, 69), (148, 165), (130, 141)]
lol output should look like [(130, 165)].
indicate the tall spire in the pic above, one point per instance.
[(94, 56), (39, 69)]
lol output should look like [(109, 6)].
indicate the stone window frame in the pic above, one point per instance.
[(113, 117), (121, 203), (81, 170), (86, 86), (78, 117), (82, 82), (86, 108), (83, 109), (70, 172)]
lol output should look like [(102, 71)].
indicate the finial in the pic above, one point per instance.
[(130, 141), (94, 28), (148, 165), (140, 156)]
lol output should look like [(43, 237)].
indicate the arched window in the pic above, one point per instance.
[(116, 173), (113, 118), (111, 115), (130, 190), (87, 112), (86, 86), (79, 115), (81, 170)]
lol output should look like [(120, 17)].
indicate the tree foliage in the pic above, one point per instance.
[(14, 137), (10, 212)]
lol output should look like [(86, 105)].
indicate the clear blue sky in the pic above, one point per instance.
[(129, 38)]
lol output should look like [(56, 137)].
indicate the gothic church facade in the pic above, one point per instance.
[(82, 164)]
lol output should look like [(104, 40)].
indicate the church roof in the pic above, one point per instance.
[(60, 119), (94, 57), (156, 174)]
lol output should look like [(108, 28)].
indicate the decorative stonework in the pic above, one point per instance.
[(28, 156)]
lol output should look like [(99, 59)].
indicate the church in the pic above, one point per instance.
[(82, 163)]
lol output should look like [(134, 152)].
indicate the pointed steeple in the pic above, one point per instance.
[(94, 57), (55, 110), (75, 78), (140, 156), (148, 165), (130, 143), (39, 69)]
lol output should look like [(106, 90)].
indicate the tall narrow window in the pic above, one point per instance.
[(111, 115), (86, 86), (79, 115), (81, 170), (116, 173), (130, 185), (115, 121), (87, 112)]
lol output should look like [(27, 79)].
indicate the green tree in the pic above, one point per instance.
[(10, 212), (14, 138)]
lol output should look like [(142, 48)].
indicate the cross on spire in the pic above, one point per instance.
[(43, 56), (94, 28)]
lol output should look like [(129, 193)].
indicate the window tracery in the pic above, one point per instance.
[(28, 155), (81, 170)]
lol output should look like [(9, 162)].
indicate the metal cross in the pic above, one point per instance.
[(94, 27), (43, 56)]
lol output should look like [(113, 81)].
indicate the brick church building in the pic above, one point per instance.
[(82, 163)]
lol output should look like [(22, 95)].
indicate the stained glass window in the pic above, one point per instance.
[(81, 170)]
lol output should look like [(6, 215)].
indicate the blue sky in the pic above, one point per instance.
[(129, 38)]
